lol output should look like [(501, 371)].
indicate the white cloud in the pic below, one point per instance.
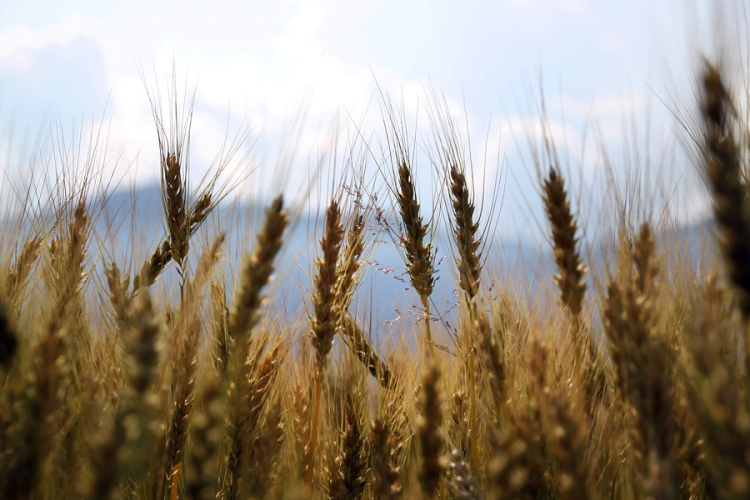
[(19, 42), (264, 61)]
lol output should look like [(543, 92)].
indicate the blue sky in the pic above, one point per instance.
[(604, 67)]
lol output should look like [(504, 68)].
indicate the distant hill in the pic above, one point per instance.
[(385, 300)]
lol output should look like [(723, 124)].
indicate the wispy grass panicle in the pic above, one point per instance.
[(348, 272)]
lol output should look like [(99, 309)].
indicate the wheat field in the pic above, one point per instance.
[(634, 389)]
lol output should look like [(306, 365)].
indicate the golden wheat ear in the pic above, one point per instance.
[(246, 405), (348, 473), (465, 233), (467, 239), (174, 193), (119, 453), (256, 273), (360, 345), (18, 273), (420, 256), (570, 277), (386, 474), (325, 321)]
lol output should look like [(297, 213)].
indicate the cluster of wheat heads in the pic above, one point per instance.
[(195, 395)]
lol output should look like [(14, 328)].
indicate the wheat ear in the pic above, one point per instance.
[(420, 258), (570, 269), (128, 427), (247, 403), (46, 398), (264, 454), (350, 263), (256, 273), (463, 484), (19, 272), (430, 434), (723, 170), (386, 476), (324, 322), (187, 343), (466, 234), (360, 345), (174, 193), (348, 473)]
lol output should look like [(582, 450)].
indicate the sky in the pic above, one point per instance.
[(611, 73)]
